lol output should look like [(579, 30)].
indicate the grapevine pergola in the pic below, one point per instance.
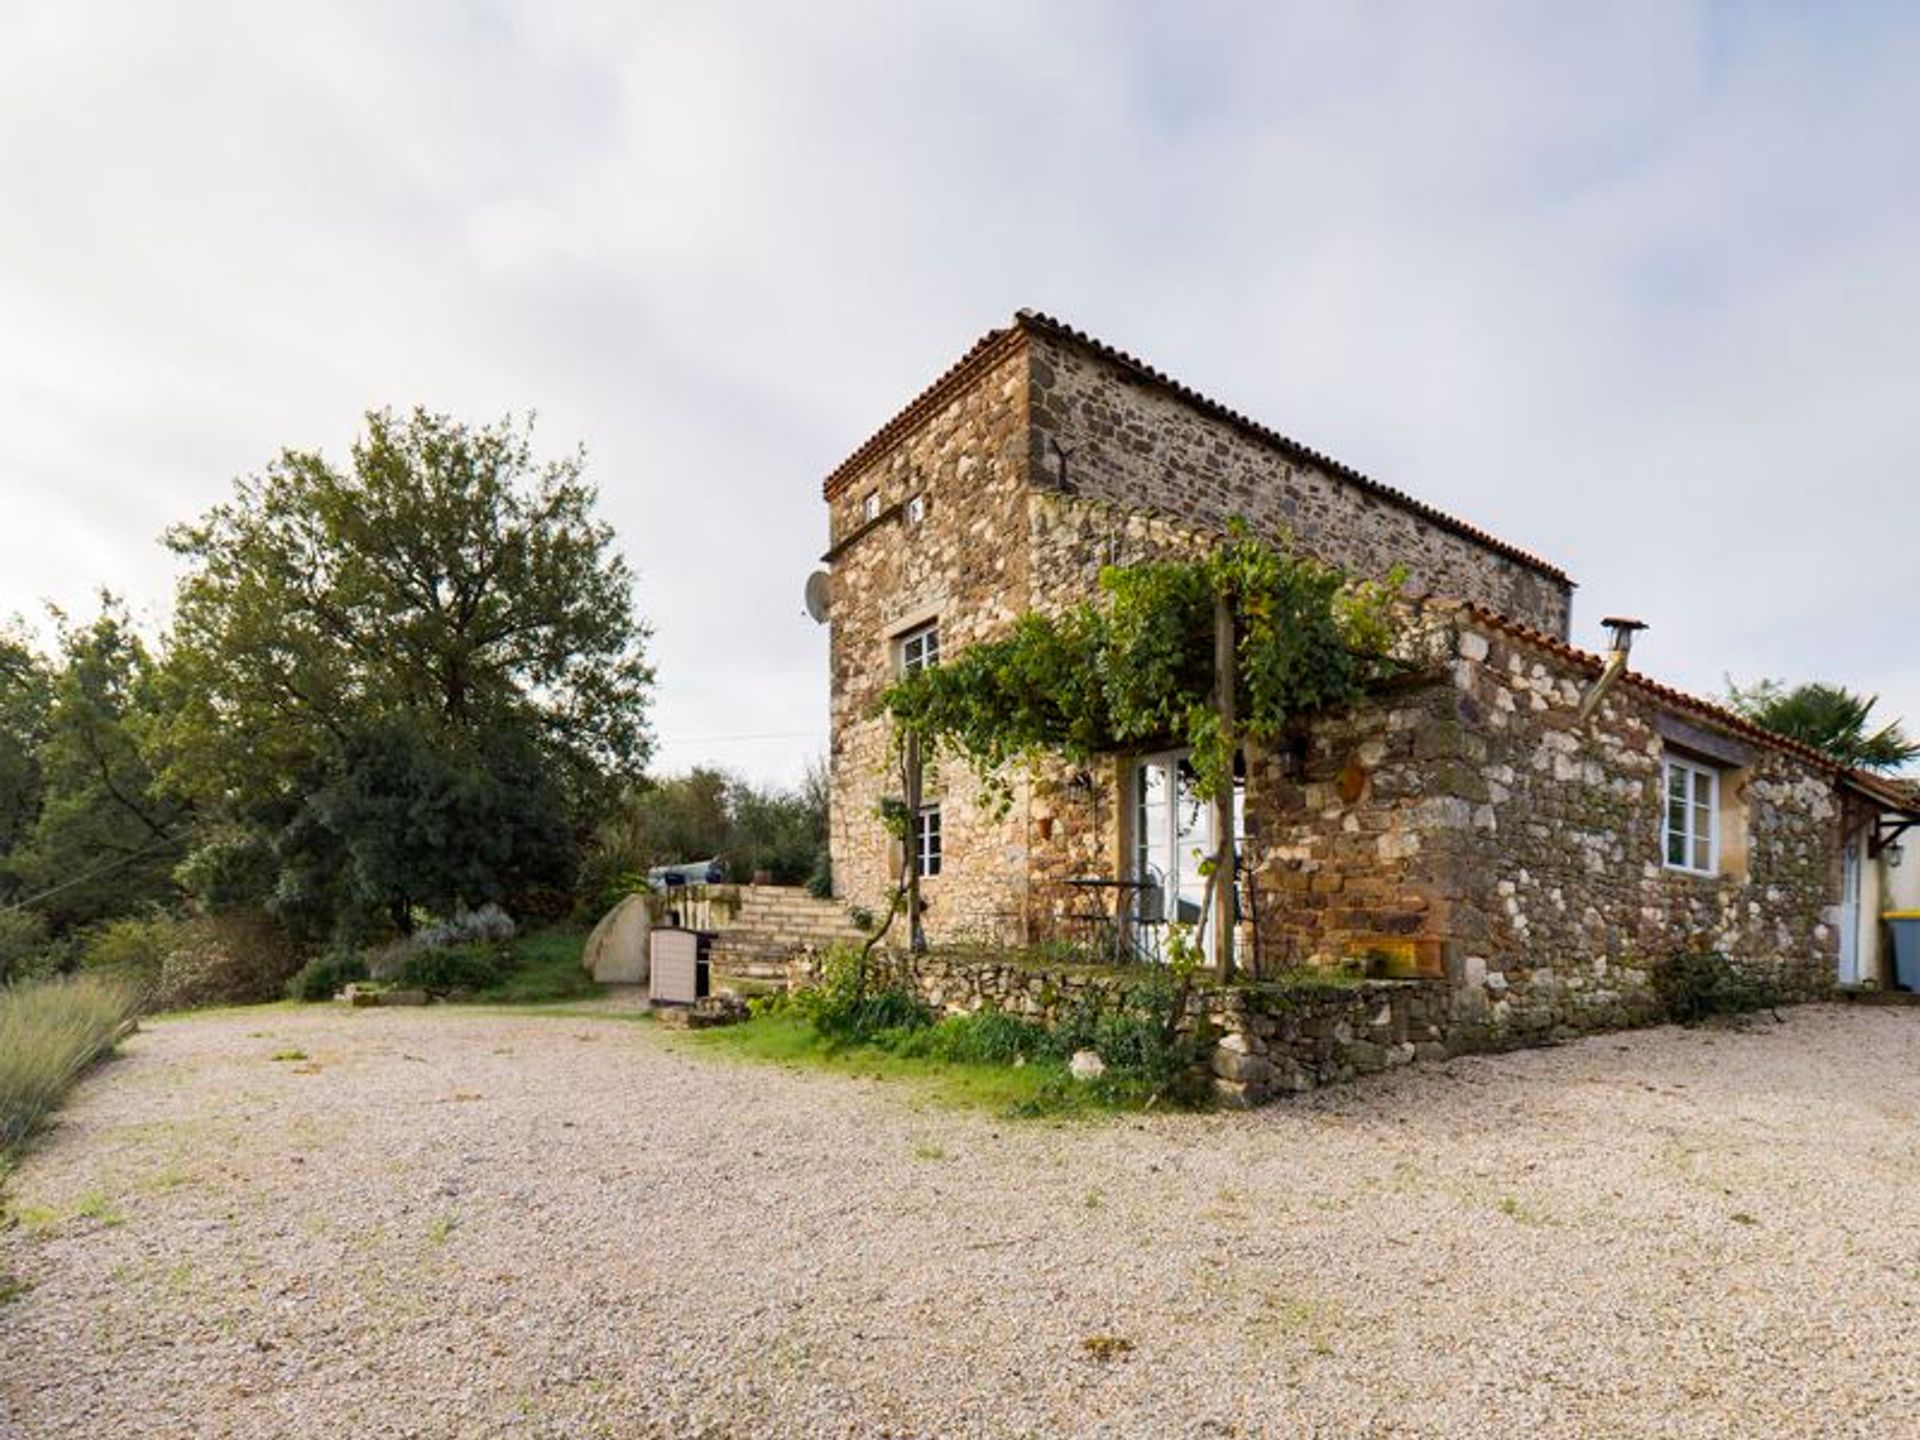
[(1205, 654)]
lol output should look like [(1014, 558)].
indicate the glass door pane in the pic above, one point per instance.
[(1193, 845)]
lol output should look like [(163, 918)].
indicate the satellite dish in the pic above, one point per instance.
[(819, 591)]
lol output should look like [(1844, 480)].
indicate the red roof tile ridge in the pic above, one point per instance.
[(984, 351), (1679, 699), (1048, 325)]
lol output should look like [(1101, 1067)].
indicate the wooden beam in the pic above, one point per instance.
[(1223, 854)]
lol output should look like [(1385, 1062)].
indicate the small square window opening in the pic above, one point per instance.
[(919, 649), (926, 841)]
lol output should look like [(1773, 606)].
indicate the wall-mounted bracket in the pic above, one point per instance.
[(1887, 829)]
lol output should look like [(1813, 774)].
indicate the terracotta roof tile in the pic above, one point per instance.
[(1293, 449), (1894, 792), (995, 344), (987, 351)]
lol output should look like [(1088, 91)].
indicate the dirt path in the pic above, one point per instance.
[(463, 1224)]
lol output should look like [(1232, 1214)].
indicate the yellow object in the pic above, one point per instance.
[(1900, 914)]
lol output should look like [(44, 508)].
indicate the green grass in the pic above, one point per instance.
[(541, 968), (50, 1032), (784, 1038), (544, 969)]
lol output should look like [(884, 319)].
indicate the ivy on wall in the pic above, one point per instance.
[(1134, 668)]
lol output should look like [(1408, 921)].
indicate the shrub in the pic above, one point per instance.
[(50, 1031), (845, 1008), (820, 878), (239, 958), (25, 949), (442, 972), (324, 976), (133, 945), (385, 962), (986, 1037), (1142, 1036), (489, 925), (1697, 985)]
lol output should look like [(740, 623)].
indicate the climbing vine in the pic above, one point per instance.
[(1135, 667)]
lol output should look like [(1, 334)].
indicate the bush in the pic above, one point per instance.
[(325, 976), (1148, 1050), (489, 925), (843, 1008), (50, 1031), (820, 878), (25, 949), (986, 1037), (137, 946), (239, 958), (1697, 985), (442, 972)]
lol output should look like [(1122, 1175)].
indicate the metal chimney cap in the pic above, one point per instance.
[(1623, 628)]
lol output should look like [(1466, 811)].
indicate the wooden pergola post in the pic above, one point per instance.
[(911, 768), (1223, 856)]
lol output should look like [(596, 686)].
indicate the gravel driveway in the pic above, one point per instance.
[(468, 1224)]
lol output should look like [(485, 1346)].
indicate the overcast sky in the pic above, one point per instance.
[(1635, 287)]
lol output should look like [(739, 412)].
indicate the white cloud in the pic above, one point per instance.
[(1635, 287)]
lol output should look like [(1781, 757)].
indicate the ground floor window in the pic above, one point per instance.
[(926, 841), (1692, 819)]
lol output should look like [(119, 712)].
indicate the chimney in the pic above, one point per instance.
[(1621, 631)]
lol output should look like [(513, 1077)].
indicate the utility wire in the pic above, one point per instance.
[(93, 874), (717, 739)]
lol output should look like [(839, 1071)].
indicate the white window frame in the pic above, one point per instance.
[(918, 648), (916, 510), (1689, 832), (927, 841), (870, 507)]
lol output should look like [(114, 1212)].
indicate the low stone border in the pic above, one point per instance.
[(1275, 1038)]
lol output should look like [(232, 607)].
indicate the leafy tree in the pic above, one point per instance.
[(26, 694), (1830, 718), (404, 823), (104, 841), (704, 813), (783, 832), (404, 677)]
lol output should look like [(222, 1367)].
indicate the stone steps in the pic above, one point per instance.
[(771, 926)]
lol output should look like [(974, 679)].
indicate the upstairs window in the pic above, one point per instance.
[(920, 648), (1691, 825), (926, 841), (916, 509), (870, 507)]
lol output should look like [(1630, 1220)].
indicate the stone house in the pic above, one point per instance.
[(1525, 824)]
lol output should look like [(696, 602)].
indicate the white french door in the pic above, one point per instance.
[(1172, 840)]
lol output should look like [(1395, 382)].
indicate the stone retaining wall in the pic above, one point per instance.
[(1273, 1039)]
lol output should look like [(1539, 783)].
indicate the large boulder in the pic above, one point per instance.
[(616, 952)]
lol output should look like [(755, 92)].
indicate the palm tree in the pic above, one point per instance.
[(1830, 718)]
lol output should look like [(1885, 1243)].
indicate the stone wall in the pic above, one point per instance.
[(1471, 826), (1142, 446), (963, 564), (1466, 826), (1271, 1039), (1561, 898)]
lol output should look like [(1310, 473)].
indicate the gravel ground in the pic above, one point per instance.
[(467, 1224)]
